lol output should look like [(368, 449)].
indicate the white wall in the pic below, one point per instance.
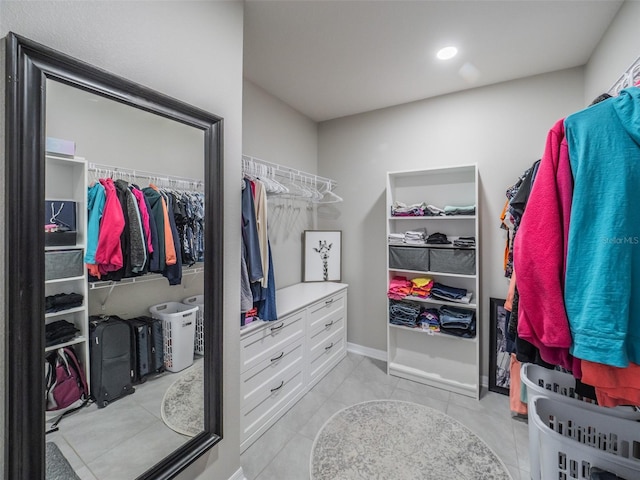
[(501, 127), (615, 52), (275, 132), (191, 51)]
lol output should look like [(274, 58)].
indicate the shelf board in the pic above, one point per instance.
[(434, 217), (143, 278), (65, 312), (431, 333), (434, 274), (74, 341), (66, 279), (433, 379)]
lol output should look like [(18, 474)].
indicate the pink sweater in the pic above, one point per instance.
[(540, 253)]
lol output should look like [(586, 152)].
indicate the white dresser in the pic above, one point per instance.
[(283, 360)]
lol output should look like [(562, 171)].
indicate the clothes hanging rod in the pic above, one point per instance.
[(286, 172), (626, 79), (96, 167)]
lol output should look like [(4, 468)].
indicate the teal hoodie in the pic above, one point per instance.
[(95, 205), (602, 289)]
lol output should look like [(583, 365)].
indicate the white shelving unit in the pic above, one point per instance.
[(66, 180), (436, 359)]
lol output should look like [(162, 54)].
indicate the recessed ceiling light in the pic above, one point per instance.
[(447, 53)]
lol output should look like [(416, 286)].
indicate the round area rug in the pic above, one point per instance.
[(183, 403), (394, 440)]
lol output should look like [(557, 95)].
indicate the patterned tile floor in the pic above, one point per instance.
[(282, 453)]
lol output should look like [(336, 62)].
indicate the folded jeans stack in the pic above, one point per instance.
[(457, 321), (451, 294), (402, 313)]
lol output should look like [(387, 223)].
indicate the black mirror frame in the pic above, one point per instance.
[(28, 66)]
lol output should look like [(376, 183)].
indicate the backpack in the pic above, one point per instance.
[(65, 381)]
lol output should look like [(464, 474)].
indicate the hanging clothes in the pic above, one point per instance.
[(542, 320), (250, 234), (602, 291), (109, 250), (157, 213), (96, 198)]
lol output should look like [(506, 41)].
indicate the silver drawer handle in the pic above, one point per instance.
[(329, 347), (329, 324), (278, 357), (278, 327), (329, 302), (278, 387)]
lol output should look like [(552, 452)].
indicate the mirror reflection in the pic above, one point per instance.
[(123, 283)]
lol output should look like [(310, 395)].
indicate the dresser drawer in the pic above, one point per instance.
[(326, 328), (268, 340), (326, 354), (260, 379), (275, 395), (320, 311)]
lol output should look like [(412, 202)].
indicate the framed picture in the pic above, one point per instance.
[(498, 354), (322, 256)]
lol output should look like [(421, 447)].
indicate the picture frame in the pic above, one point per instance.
[(499, 357), (322, 256)]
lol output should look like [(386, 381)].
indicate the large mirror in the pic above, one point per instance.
[(126, 137)]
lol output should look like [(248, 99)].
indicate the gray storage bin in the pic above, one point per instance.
[(63, 264), (453, 260), (409, 258)]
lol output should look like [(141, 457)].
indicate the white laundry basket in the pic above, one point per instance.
[(198, 300), (572, 440), (559, 386), (179, 326)]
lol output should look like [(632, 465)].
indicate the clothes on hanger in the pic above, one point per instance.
[(133, 231)]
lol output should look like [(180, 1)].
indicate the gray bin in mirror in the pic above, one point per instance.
[(409, 258), (453, 260), (63, 264)]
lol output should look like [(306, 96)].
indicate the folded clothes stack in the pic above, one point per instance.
[(402, 313), (399, 209), (433, 211), (59, 332), (465, 242), (415, 237), (62, 301), (438, 239), (396, 238), (466, 210), (451, 294), (421, 287), (429, 319), (457, 321), (399, 287)]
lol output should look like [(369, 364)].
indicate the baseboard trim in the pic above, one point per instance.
[(367, 352), (239, 475)]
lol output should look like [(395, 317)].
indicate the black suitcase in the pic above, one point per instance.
[(155, 333), (110, 352), (140, 348)]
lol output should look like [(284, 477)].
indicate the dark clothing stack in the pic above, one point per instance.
[(457, 321), (62, 301), (59, 331), (438, 239)]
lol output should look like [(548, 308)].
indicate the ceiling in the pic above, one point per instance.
[(332, 58)]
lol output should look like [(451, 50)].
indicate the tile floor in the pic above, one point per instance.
[(132, 436), (283, 452), (122, 440)]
